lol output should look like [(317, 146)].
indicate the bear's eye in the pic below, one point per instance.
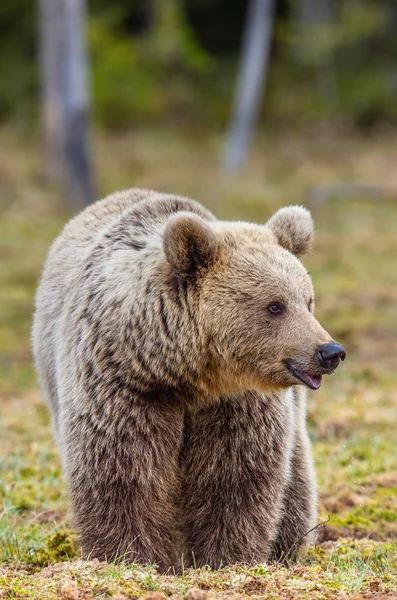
[(275, 308)]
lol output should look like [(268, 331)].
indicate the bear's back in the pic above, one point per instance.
[(64, 262), (100, 224), (85, 227)]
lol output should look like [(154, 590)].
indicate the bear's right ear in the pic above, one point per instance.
[(293, 229), (190, 245)]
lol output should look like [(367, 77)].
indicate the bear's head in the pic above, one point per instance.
[(255, 299)]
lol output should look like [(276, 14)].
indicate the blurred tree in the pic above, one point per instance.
[(250, 82), (51, 58), (65, 103)]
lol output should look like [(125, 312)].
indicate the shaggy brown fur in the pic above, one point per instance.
[(169, 380)]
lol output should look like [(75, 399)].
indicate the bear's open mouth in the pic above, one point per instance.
[(312, 381)]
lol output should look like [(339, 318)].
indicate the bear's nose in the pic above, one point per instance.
[(329, 355)]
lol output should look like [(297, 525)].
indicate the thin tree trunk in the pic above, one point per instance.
[(65, 101), (78, 177), (51, 56), (250, 82)]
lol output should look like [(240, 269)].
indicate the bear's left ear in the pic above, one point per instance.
[(293, 229), (190, 244)]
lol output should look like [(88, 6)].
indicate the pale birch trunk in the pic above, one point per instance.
[(65, 100), (51, 61), (251, 81)]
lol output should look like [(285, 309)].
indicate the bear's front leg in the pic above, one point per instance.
[(121, 463), (295, 529), (235, 459)]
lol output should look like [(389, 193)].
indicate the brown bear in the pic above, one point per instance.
[(173, 350)]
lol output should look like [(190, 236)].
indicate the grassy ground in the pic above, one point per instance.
[(352, 418)]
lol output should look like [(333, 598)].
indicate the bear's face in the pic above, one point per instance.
[(256, 299)]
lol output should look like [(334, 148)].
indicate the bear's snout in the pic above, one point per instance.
[(329, 355)]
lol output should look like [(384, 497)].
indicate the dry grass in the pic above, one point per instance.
[(352, 418)]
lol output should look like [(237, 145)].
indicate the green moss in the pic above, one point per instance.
[(59, 546), (376, 513), (259, 570), (350, 520), (149, 584)]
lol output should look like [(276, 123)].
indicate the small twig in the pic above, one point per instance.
[(323, 524)]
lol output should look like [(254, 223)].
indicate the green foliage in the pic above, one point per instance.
[(341, 68), (175, 62), (33, 543), (156, 77), (338, 68), (123, 89), (18, 81)]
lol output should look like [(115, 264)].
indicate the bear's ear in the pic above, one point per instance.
[(190, 245), (293, 229)]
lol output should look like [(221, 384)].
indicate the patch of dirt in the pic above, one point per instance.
[(196, 594), (337, 504), (329, 533), (385, 480), (343, 498), (75, 566), (385, 595), (69, 590), (53, 570), (205, 585), (48, 516), (254, 585), (336, 429)]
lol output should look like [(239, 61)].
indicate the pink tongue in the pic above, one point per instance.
[(312, 380)]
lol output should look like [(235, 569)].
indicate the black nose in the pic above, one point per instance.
[(329, 355)]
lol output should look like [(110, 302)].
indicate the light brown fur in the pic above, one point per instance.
[(181, 430)]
